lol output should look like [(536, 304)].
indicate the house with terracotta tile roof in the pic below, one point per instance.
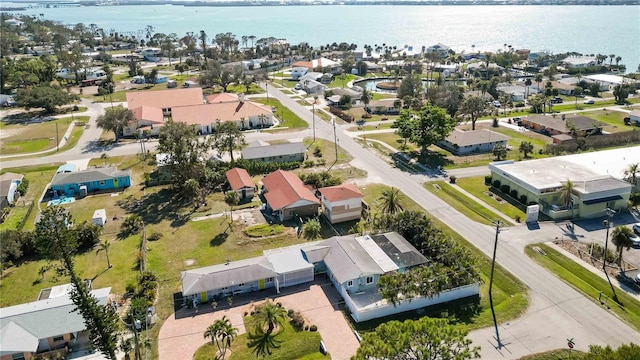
[(205, 118), (341, 203), (287, 196), (333, 66), (148, 118), (240, 182), (165, 99), (222, 97)]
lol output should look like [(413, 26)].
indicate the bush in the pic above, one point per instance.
[(261, 230), (131, 287), (313, 328), (317, 152), (23, 186), (155, 236), (88, 235), (496, 184), (320, 179), (495, 122), (452, 179), (308, 163), (290, 312), (487, 180), (259, 168), (598, 253), (514, 194), (505, 189), (131, 224), (297, 321), (518, 218), (341, 114), (523, 199), (322, 161)]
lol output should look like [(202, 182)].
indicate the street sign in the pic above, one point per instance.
[(570, 343)]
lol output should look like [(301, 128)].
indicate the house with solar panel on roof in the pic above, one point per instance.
[(353, 264)]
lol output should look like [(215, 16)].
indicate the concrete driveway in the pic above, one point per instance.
[(183, 332)]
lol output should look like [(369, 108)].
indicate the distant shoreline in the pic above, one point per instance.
[(31, 4)]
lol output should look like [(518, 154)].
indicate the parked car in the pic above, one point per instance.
[(497, 104), (589, 101), (636, 228), (557, 100), (635, 241), (298, 87), (638, 279)]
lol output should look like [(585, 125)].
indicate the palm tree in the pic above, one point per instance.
[(527, 83), (621, 238), (232, 199), (538, 80), (269, 315), (391, 201), (104, 246), (631, 173), (104, 157), (566, 191), (222, 333), (366, 97)]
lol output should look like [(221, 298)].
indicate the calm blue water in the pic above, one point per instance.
[(585, 29)]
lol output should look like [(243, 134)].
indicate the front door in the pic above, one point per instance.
[(203, 297), (244, 194), (261, 284)]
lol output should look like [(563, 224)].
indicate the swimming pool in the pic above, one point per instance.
[(61, 201)]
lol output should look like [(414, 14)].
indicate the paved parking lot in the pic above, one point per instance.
[(182, 333)]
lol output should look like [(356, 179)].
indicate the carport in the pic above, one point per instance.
[(291, 268)]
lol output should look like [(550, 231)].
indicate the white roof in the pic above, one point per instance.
[(612, 79), (100, 213), (288, 261)]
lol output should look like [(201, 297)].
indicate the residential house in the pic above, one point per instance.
[(540, 182), (354, 264), (46, 327), (9, 183), (554, 125), (313, 87), (634, 117), (538, 58), (261, 151), (389, 106), (321, 63), (206, 117), (148, 120), (165, 99), (288, 197), (341, 203), (311, 75), (90, 180), (516, 92), (580, 62), (564, 88), (439, 49), (298, 72), (240, 182), (607, 81), (338, 93), (474, 141)]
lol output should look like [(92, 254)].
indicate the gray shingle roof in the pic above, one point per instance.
[(258, 152), (232, 273), (347, 260), (92, 174), (43, 319)]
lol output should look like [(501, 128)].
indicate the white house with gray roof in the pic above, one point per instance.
[(462, 142), (262, 151), (354, 265), (42, 326)]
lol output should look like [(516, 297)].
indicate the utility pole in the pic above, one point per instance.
[(266, 87), (607, 224), (493, 262), (314, 118), (57, 139)]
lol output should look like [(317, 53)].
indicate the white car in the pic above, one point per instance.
[(589, 101), (298, 87), (636, 228), (635, 241)]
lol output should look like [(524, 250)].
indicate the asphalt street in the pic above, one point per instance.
[(557, 311)]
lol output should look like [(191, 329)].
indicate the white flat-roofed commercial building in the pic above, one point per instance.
[(598, 179)]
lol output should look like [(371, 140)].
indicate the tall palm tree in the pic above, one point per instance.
[(269, 315), (538, 80), (631, 173), (104, 246), (391, 201), (621, 238), (232, 199), (222, 333), (566, 192), (527, 83), (366, 97)]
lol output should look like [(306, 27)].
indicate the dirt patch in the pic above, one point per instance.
[(582, 251), (189, 262)]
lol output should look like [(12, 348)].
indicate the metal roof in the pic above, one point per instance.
[(231, 273), (288, 261), (259, 152), (92, 174), (376, 253)]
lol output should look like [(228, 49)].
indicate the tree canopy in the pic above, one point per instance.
[(228, 137), (432, 124), (44, 96), (423, 339), (115, 119), (474, 107)]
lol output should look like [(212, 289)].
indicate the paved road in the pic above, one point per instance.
[(558, 311)]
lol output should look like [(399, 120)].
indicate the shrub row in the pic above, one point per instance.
[(341, 114)]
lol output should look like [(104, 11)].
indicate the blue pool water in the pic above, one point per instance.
[(61, 201)]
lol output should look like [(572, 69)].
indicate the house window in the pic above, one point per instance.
[(269, 280), (350, 283), (17, 356), (241, 285), (369, 280), (102, 183), (58, 338)]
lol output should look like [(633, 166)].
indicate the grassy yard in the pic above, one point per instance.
[(327, 151), (476, 186), (590, 284), (509, 295), (293, 345), (461, 202), (341, 81), (615, 119), (26, 137), (383, 126), (560, 354), (287, 117)]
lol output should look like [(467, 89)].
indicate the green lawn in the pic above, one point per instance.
[(287, 117), (561, 354), (341, 81), (292, 344), (476, 186), (33, 137), (615, 119), (590, 284), (509, 295), (461, 202), (382, 126)]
